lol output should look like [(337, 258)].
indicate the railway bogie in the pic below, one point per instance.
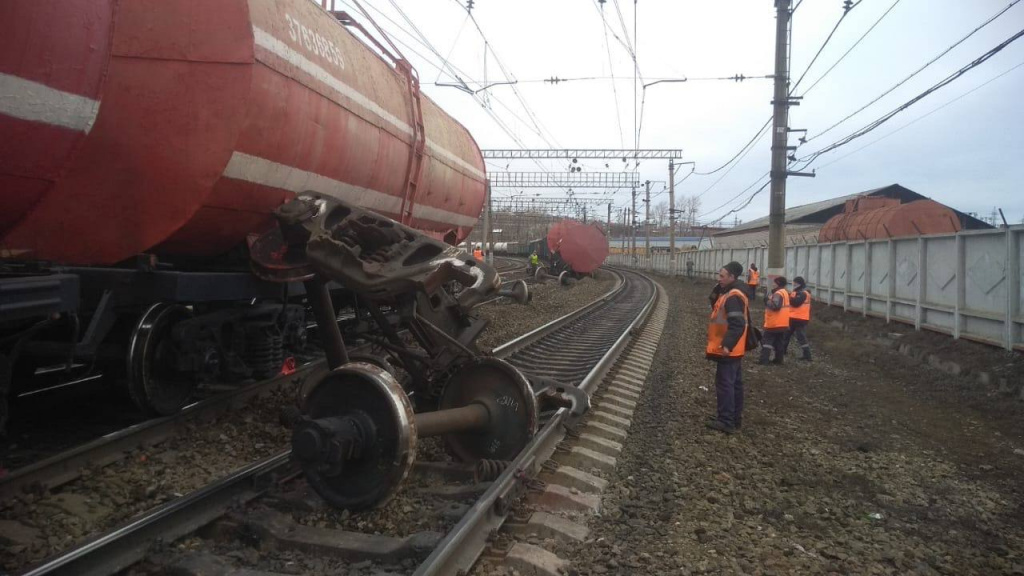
[(404, 281)]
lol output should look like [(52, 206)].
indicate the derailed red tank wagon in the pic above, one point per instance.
[(143, 142), (580, 248)]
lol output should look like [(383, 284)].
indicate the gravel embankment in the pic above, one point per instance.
[(550, 301), (848, 465)]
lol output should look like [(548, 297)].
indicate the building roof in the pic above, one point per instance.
[(820, 212)]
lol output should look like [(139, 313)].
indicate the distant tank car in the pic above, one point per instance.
[(578, 247), (143, 144)]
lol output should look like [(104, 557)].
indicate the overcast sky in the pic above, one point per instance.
[(969, 154)]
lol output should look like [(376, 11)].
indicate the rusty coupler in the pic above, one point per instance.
[(356, 435)]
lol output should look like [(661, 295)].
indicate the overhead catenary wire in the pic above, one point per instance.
[(459, 76), (846, 11), (934, 59), (757, 136), (553, 142), (851, 48), (918, 119), (807, 160), (746, 202), (611, 70)]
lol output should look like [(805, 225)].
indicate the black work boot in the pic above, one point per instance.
[(807, 354), (721, 427)]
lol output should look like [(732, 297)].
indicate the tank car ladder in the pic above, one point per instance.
[(418, 144)]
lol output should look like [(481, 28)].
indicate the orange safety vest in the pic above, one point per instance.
[(778, 318), (478, 254), (803, 311), (753, 277), (719, 325)]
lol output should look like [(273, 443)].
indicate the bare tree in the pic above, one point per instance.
[(660, 213), (690, 208)]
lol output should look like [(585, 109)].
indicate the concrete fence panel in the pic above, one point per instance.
[(967, 284)]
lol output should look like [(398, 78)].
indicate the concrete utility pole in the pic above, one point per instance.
[(609, 218), (632, 226), (780, 143), (671, 216), (647, 219), (487, 225), (624, 230)]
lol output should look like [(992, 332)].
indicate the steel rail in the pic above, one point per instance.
[(126, 545), (464, 543)]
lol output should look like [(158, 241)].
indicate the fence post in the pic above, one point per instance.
[(922, 249), (961, 282), (1013, 275), (831, 271), (848, 281), (890, 289), (867, 277)]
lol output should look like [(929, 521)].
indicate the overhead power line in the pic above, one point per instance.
[(745, 203), (918, 119), (807, 160), (846, 10), (916, 72), (757, 136), (611, 70), (855, 44)]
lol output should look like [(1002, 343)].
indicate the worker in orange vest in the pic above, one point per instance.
[(727, 342), (753, 276), (478, 254), (799, 317), (776, 322)]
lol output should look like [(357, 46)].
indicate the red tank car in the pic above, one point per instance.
[(142, 142), (175, 127), (582, 247)]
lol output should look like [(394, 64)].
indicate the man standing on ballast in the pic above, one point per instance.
[(727, 343)]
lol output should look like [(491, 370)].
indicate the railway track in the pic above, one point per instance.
[(577, 350)]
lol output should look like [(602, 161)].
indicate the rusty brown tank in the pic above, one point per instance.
[(867, 218)]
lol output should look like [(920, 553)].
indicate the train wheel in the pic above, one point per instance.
[(509, 399), (357, 440), (154, 382)]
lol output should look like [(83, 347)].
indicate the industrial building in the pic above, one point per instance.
[(805, 223)]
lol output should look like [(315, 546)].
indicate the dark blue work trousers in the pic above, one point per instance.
[(729, 388)]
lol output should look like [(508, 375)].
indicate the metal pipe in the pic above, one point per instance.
[(323, 310), (464, 419)]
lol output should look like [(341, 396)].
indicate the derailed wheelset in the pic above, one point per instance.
[(356, 435)]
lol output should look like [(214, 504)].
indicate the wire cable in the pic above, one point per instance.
[(611, 70), (823, 45), (750, 143), (916, 72), (916, 120), (807, 160), (855, 44)]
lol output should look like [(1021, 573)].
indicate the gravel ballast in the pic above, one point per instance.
[(550, 302), (848, 465)]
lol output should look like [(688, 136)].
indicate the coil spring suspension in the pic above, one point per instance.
[(489, 470), (264, 349)]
